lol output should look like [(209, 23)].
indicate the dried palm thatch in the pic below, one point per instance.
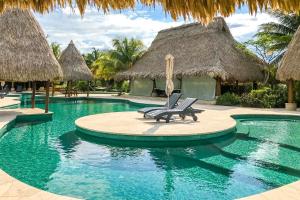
[(25, 54), (289, 68), (198, 50), (203, 10), (73, 65)]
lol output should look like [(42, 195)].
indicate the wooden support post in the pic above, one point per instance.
[(53, 88), (29, 86), (69, 89), (218, 86), (33, 94), (237, 86), (88, 90), (291, 92), (12, 86), (47, 97)]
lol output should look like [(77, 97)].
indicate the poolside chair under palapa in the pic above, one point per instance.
[(183, 109), (168, 105)]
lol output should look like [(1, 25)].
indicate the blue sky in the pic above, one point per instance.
[(96, 29)]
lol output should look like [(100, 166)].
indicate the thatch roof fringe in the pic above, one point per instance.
[(73, 64), (289, 68), (204, 11), (25, 54), (198, 50)]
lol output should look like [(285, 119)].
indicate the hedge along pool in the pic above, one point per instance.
[(261, 155)]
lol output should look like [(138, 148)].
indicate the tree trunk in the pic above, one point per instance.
[(53, 88), (218, 86), (88, 90), (291, 93), (47, 97), (33, 94)]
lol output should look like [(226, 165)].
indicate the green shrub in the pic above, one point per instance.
[(228, 99), (265, 97), (82, 85), (125, 86)]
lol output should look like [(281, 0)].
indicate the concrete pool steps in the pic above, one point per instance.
[(11, 188)]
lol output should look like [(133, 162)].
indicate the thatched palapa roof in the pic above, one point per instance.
[(203, 10), (73, 65), (24, 51), (198, 50), (289, 68)]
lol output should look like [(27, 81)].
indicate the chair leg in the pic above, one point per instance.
[(195, 118), (168, 118)]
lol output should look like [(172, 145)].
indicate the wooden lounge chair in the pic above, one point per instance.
[(173, 102), (183, 109)]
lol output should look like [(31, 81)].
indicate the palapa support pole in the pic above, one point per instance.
[(291, 94), (88, 90), (69, 89), (237, 87), (66, 92), (12, 86), (53, 88), (218, 86), (29, 86), (33, 94), (47, 97)]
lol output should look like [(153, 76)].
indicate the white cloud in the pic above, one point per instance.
[(97, 30), (243, 26)]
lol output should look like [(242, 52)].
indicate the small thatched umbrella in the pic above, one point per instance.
[(25, 54), (73, 66), (289, 69)]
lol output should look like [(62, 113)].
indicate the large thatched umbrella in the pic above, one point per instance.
[(73, 65), (203, 10), (25, 54), (289, 69)]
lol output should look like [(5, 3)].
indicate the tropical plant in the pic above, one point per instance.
[(261, 46), (91, 57), (126, 52), (280, 33), (106, 66), (56, 49)]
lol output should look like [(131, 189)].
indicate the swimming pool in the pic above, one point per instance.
[(263, 154)]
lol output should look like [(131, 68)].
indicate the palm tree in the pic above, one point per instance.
[(127, 52), (279, 33), (106, 66), (56, 49)]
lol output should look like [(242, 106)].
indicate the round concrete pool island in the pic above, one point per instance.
[(132, 126)]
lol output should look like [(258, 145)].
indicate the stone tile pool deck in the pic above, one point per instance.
[(11, 188)]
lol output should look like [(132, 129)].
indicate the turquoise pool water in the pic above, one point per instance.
[(263, 154)]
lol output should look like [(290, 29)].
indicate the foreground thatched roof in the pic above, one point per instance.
[(24, 51), (198, 50), (73, 65), (203, 10), (290, 64)]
